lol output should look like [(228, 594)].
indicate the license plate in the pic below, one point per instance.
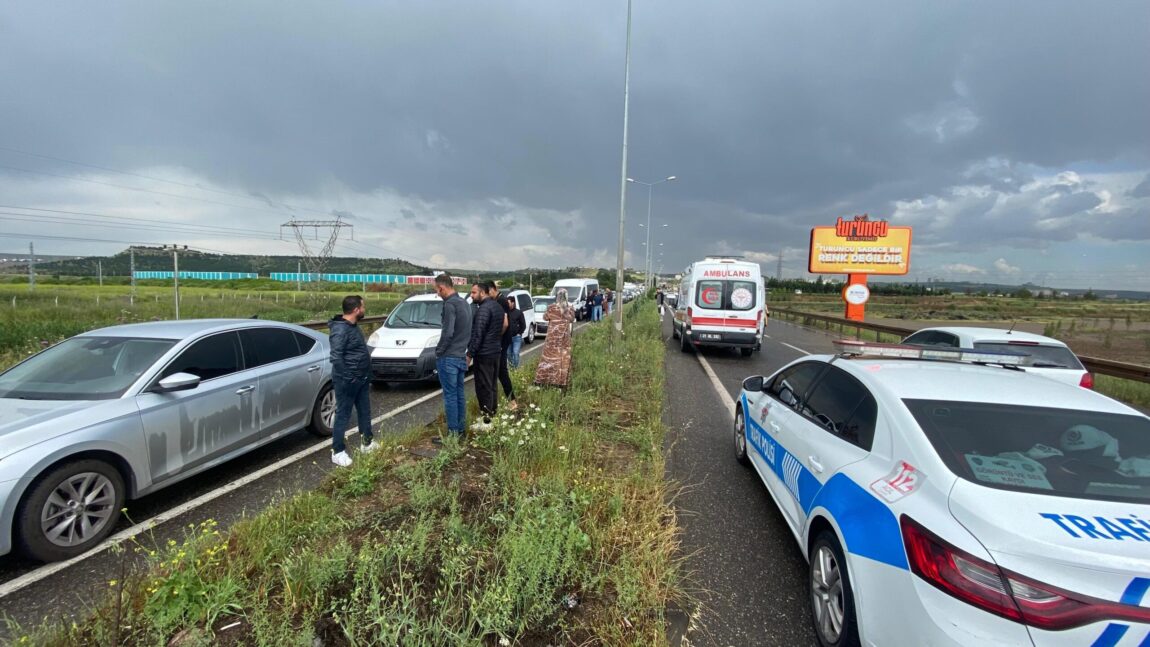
[(710, 336)]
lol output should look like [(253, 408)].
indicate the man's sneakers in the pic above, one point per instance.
[(481, 425), (341, 459), (368, 448)]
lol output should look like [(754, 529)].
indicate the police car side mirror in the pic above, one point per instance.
[(754, 383)]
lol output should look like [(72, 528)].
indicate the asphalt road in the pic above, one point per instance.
[(745, 568), (71, 590)]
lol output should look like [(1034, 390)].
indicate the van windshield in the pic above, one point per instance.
[(416, 314), (574, 292), (722, 294)]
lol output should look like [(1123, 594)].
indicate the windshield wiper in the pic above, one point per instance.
[(401, 320), (430, 324)]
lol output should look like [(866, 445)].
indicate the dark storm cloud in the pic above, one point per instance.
[(776, 116)]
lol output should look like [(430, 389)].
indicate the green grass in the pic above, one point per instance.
[(1128, 391), (31, 319), (553, 528)]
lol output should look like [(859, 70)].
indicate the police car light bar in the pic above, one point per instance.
[(903, 351)]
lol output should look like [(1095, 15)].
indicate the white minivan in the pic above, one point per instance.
[(722, 303), (578, 291), (403, 349)]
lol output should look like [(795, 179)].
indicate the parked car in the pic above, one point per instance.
[(944, 497), (1048, 356), (403, 348), (121, 412), (541, 304), (524, 302)]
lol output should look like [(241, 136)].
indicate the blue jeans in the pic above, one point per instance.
[(513, 351), (452, 372), (597, 313), (348, 395)]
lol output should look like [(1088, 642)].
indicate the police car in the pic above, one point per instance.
[(948, 497)]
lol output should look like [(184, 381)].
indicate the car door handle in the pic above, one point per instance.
[(244, 390), (815, 464), (312, 369)]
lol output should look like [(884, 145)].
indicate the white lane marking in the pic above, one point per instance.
[(794, 347), (726, 397), (31, 577)]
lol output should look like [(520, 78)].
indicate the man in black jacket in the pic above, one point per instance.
[(484, 350), (517, 325), (350, 377)]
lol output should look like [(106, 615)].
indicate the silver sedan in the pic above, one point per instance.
[(121, 412)]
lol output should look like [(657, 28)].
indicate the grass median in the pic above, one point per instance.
[(553, 528)]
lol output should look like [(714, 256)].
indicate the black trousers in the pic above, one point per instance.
[(505, 376), (486, 368)]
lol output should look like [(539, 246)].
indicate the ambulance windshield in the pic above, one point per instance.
[(1083, 454)]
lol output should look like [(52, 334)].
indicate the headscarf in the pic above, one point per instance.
[(561, 298)]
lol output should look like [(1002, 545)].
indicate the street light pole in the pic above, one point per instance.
[(650, 185), (623, 175)]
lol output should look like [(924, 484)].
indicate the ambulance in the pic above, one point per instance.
[(721, 303)]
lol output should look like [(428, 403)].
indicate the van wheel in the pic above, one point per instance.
[(69, 510), (674, 331), (323, 413)]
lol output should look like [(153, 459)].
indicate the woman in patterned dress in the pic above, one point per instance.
[(555, 366)]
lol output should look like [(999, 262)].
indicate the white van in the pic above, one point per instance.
[(403, 349), (721, 302), (578, 291)]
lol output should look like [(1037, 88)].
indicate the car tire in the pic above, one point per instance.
[(674, 331), (684, 344), (832, 601), (92, 487), (530, 335), (746, 352), (741, 438), (323, 412)]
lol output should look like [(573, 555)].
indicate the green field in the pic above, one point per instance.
[(30, 320)]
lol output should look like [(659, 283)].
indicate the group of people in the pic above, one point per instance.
[(599, 304), (485, 336)]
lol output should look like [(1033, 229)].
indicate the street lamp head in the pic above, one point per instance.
[(670, 178), (630, 179)]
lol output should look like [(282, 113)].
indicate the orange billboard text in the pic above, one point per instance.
[(860, 246)]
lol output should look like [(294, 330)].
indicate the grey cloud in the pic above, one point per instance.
[(1142, 190), (776, 116)]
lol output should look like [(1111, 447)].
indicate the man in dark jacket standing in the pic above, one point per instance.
[(451, 354), (351, 378), (516, 325), (484, 351)]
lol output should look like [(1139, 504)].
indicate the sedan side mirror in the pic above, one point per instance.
[(177, 382), (754, 383)]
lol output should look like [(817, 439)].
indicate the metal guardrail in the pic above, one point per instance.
[(1097, 365), (322, 325)]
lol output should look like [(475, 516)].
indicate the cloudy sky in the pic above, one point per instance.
[(1013, 136)]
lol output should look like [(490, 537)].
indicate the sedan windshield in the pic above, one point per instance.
[(1084, 454), (416, 314), (541, 303), (83, 368)]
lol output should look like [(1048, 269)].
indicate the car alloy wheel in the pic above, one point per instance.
[(69, 509), (78, 509), (832, 605), (327, 408), (741, 437), (323, 412)]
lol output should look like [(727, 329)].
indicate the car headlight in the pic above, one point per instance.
[(373, 340), (432, 343)]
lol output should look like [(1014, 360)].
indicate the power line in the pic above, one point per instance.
[(144, 220), (20, 217)]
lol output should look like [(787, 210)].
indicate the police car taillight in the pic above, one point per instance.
[(1003, 592), (906, 351), (1087, 381)]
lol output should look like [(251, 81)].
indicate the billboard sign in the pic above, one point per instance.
[(860, 246)]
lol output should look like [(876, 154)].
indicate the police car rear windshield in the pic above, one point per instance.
[(1041, 355), (1081, 454), (720, 294)]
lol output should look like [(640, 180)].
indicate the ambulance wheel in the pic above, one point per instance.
[(832, 602), (746, 352), (674, 331), (741, 437), (684, 343)]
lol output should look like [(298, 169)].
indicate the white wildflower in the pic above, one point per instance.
[(521, 442)]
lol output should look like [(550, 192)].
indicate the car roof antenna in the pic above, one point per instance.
[(1012, 325)]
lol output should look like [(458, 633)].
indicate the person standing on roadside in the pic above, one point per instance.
[(597, 306), (483, 351), (505, 348), (451, 354), (517, 324), (351, 378), (609, 301)]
